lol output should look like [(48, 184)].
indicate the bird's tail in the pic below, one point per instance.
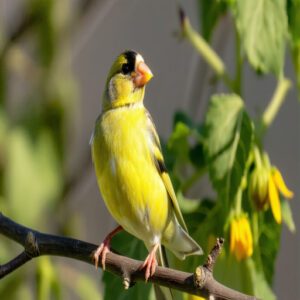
[(161, 292), (181, 243)]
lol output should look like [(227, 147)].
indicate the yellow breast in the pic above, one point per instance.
[(129, 182)]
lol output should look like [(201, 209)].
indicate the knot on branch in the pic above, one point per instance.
[(199, 277), (31, 245), (201, 274)]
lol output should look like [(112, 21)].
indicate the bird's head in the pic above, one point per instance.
[(126, 80)]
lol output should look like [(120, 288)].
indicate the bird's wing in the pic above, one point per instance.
[(158, 160)]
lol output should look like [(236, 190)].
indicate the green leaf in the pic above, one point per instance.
[(262, 27), (245, 276), (287, 215), (130, 246), (228, 138), (181, 116), (187, 205), (196, 155), (210, 12), (260, 287), (268, 244), (293, 9), (233, 273)]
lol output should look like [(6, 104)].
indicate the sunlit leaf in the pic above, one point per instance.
[(228, 139), (262, 27)]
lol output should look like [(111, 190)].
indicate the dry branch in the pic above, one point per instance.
[(36, 243)]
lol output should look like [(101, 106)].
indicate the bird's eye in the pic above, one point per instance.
[(125, 69)]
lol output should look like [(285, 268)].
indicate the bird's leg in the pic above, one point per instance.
[(104, 248), (150, 262)]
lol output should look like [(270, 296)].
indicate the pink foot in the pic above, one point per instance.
[(104, 248), (150, 263), (102, 251)]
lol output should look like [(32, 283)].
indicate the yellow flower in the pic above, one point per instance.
[(258, 187), (265, 185), (277, 185), (241, 241)]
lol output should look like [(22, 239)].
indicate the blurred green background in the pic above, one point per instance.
[(54, 59)]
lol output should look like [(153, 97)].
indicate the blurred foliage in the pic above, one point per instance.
[(34, 130), (33, 139), (228, 137)]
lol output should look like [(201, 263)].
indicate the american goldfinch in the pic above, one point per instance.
[(130, 168)]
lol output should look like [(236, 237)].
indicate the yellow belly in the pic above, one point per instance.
[(128, 180)]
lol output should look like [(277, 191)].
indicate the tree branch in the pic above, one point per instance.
[(36, 243)]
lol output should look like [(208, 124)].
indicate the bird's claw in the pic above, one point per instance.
[(150, 264), (102, 251), (104, 248)]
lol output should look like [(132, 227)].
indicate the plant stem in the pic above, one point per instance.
[(238, 64), (238, 203), (277, 100), (205, 50)]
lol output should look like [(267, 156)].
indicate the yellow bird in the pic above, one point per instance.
[(130, 168)]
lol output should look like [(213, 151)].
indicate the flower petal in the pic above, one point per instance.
[(274, 200), (277, 177)]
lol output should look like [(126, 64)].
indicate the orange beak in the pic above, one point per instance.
[(142, 75)]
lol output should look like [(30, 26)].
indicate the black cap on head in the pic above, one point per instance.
[(130, 65)]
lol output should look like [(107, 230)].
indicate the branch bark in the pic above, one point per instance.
[(36, 244)]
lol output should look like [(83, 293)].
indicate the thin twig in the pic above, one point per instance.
[(36, 243), (14, 264), (214, 253)]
